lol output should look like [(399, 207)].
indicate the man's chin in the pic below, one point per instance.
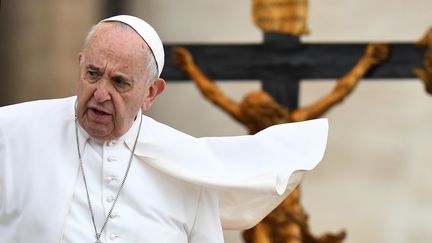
[(99, 132)]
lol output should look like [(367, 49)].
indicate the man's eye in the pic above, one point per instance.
[(121, 84), (119, 81), (93, 75)]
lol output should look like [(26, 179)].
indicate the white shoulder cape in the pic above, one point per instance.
[(252, 173)]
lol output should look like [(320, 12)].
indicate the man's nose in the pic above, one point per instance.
[(102, 92)]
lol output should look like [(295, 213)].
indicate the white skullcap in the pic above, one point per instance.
[(146, 32)]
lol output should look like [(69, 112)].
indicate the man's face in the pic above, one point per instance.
[(113, 82)]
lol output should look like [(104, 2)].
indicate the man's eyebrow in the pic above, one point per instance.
[(93, 67), (124, 77)]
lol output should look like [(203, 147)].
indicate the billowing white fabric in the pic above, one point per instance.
[(146, 32), (252, 173)]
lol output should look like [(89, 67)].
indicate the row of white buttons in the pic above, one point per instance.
[(109, 179)]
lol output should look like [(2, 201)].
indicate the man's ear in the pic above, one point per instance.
[(79, 58), (153, 91)]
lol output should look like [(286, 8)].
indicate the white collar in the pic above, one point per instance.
[(84, 137)]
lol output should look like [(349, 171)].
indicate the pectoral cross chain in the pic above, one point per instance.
[(98, 240)]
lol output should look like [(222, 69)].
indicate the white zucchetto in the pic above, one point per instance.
[(147, 33)]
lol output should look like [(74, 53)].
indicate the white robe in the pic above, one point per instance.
[(39, 166)]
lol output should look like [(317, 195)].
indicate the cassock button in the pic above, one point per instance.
[(111, 143), (109, 179), (114, 215), (114, 236), (110, 199)]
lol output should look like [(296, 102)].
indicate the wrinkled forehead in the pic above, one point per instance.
[(116, 31), (117, 38)]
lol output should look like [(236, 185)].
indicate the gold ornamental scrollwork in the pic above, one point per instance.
[(282, 16)]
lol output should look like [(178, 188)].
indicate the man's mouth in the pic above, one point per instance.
[(99, 112)]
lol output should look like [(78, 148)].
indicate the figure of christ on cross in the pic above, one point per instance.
[(257, 111)]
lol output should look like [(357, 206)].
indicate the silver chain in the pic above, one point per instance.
[(98, 234)]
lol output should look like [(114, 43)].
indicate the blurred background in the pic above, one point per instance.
[(375, 180)]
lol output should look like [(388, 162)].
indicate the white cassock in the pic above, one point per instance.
[(177, 186)]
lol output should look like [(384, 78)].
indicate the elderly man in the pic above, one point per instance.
[(93, 168)]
